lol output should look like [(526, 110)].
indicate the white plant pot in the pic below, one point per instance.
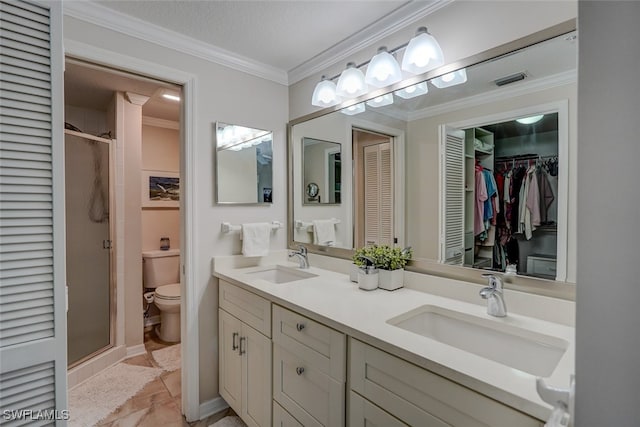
[(368, 282), (353, 273), (391, 279)]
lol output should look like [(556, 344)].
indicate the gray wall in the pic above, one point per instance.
[(608, 267)]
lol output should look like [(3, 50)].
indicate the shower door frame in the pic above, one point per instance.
[(111, 143)]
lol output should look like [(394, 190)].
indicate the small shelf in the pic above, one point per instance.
[(482, 151)]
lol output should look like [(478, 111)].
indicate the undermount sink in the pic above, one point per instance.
[(280, 274), (527, 351)]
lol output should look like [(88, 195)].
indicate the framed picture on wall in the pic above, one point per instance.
[(160, 189)]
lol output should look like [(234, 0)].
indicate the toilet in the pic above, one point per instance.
[(161, 278)]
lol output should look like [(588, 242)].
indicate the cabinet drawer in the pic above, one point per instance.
[(282, 418), (252, 309), (363, 413), (415, 395), (318, 345), (308, 394)]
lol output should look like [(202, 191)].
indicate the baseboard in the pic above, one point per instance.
[(212, 406), (153, 320), (136, 350)]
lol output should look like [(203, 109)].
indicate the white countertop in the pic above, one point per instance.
[(333, 299)]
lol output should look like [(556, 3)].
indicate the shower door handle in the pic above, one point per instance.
[(234, 345), (106, 244)]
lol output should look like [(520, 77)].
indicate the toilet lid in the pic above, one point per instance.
[(168, 291)]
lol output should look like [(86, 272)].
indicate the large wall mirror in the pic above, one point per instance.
[(244, 173), (409, 168)]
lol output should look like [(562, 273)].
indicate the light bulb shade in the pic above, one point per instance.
[(423, 53), (450, 79), (324, 95), (383, 70), (413, 91), (381, 101), (354, 109), (530, 120), (351, 83)]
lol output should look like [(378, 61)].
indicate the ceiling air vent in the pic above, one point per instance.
[(510, 79)]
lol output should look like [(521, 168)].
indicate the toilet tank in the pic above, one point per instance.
[(160, 268)]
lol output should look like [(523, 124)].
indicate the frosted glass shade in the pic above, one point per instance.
[(381, 101), (450, 79), (530, 120), (351, 83), (423, 53), (324, 95), (354, 109), (383, 70), (413, 91)]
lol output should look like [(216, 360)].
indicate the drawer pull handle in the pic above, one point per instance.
[(234, 337), (242, 350), (300, 326), (299, 370)]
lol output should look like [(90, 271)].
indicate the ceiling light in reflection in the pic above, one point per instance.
[(381, 101), (450, 79), (530, 120), (354, 109), (413, 91)]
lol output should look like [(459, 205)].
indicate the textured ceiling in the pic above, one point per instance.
[(283, 34)]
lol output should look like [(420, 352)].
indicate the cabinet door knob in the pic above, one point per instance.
[(241, 347), (234, 337), (299, 370), (300, 326)]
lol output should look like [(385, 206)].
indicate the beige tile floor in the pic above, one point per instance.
[(159, 402)]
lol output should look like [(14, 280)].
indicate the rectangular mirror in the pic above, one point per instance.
[(322, 171), (535, 75), (244, 172)]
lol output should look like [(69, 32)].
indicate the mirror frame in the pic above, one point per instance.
[(552, 288)]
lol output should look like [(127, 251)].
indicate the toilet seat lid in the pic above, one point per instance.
[(168, 291)]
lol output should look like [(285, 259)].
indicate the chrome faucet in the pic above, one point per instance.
[(301, 254), (494, 296)]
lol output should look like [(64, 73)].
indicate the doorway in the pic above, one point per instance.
[(148, 144), (373, 156)]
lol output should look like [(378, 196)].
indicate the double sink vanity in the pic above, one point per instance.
[(308, 347)]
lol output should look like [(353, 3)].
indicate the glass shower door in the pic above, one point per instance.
[(88, 228)]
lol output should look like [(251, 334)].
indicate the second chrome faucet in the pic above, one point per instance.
[(301, 254), (494, 296)]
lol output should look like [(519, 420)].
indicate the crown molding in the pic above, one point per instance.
[(160, 123), (396, 20), (102, 16), (500, 94)]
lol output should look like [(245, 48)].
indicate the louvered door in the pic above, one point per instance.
[(378, 194), (452, 197), (32, 285)]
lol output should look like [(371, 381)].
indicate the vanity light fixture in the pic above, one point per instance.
[(530, 120), (423, 53), (383, 70), (354, 109), (381, 101), (351, 83), (324, 95), (413, 90), (450, 79)]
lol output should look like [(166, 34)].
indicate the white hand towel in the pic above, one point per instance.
[(255, 238), (324, 232)]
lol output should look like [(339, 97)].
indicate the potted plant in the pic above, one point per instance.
[(390, 262), (359, 261)]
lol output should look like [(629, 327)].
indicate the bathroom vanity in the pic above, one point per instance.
[(307, 347)]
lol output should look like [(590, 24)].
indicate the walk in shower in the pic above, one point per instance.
[(89, 230)]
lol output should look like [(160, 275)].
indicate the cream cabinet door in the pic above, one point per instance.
[(363, 413), (230, 383), (282, 418), (255, 351)]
